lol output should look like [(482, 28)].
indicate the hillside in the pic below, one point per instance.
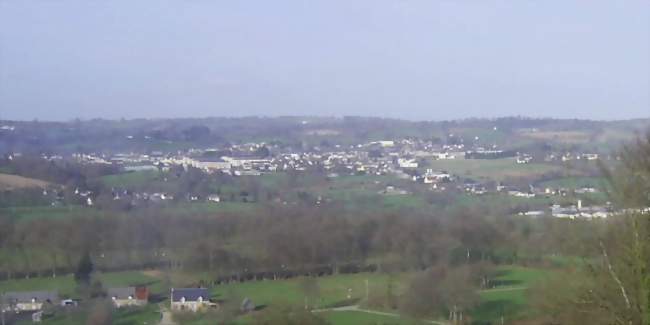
[(8, 181)]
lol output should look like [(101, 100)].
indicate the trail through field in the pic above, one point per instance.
[(356, 308), (166, 317), (504, 289)]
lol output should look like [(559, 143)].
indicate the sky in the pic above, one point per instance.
[(409, 59)]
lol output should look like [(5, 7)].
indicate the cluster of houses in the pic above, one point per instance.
[(376, 157), (576, 211), (403, 158), (250, 159), (180, 299)]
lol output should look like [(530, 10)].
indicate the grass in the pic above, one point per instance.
[(38, 212), (131, 179), (361, 318), (571, 137), (333, 289), (8, 181), (495, 304), (509, 299), (194, 208), (576, 182), (492, 169)]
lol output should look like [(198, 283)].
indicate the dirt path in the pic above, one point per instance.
[(504, 289), (374, 312), (166, 317)]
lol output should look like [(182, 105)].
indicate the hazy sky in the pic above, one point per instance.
[(426, 59)]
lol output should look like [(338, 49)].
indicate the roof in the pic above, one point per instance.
[(27, 296), (121, 293), (140, 293), (190, 294)]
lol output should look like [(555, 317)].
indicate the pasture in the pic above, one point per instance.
[(576, 182), (42, 212), (333, 290), (493, 169), (8, 181), (508, 297), (566, 137)]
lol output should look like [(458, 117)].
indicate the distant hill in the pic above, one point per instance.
[(8, 181), (171, 135)]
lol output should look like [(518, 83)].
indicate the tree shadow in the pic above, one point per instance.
[(492, 311)]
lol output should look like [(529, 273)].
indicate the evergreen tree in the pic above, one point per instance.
[(84, 269)]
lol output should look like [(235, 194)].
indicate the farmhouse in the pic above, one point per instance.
[(129, 296), (189, 299), (28, 300)]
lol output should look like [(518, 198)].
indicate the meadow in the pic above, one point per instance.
[(8, 181), (493, 169), (508, 298)]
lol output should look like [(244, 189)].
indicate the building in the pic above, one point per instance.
[(189, 299), (407, 163), (129, 296), (28, 300)]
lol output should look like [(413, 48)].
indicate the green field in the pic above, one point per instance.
[(36, 212), (361, 318), (132, 179), (510, 299), (492, 169), (334, 290), (577, 182), (187, 208)]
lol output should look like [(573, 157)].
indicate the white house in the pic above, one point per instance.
[(407, 163), (28, 301), (189, 299)]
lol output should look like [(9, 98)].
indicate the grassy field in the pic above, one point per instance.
[(492, 169), (509, 299), (194, 208), (333, 289), (363, 192), (576, 182), (148, 180), (8, 181), (570, 137), (38, 212), (361, 318), (131, 179)]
